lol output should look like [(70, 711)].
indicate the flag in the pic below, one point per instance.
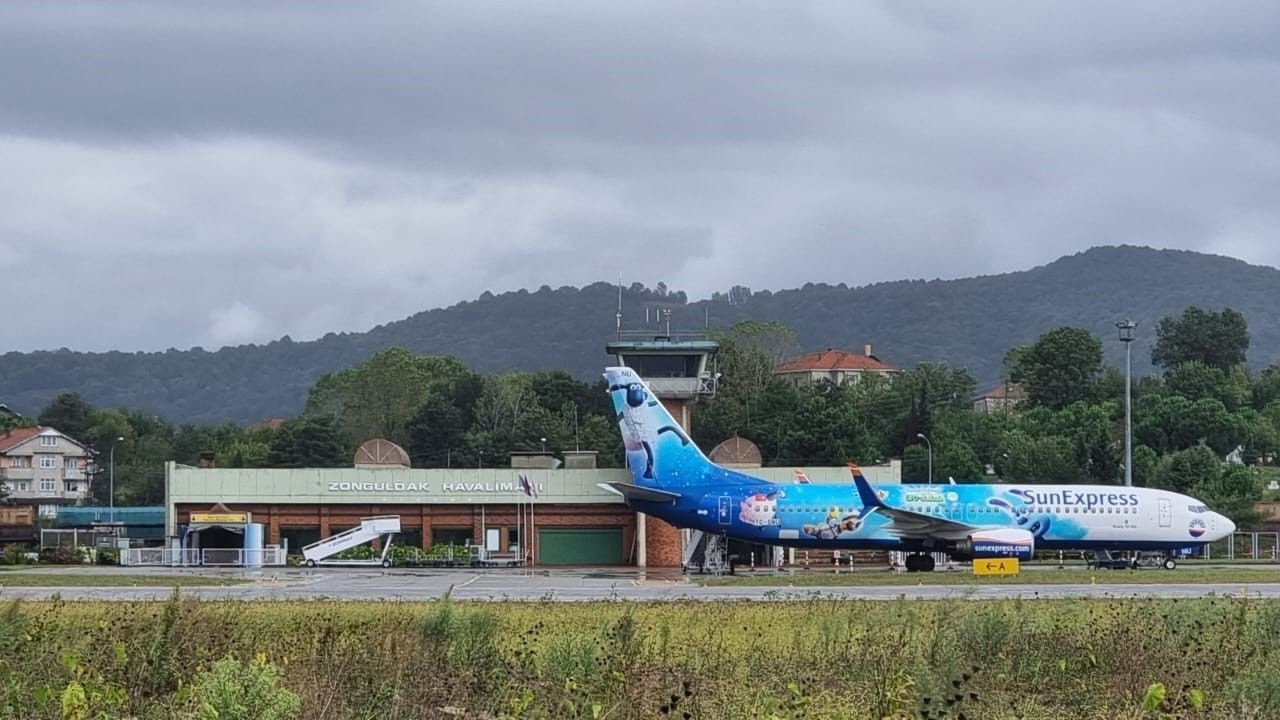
[(527, 487), (801, 478)]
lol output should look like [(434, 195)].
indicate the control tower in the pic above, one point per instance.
[(676, 370)]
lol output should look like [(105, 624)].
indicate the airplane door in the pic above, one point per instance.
[(1166, 512), (724, 514)]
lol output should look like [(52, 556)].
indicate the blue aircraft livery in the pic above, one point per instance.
[(674, 481)]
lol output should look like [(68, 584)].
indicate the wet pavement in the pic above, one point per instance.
[(571, 585)]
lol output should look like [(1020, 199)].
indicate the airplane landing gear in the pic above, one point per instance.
[(919, 563), (1170, 563)]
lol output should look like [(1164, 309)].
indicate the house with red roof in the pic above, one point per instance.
[(836, 366), (1003, 398), (44, 466)]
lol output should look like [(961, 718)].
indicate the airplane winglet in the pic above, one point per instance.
[(866, 493)]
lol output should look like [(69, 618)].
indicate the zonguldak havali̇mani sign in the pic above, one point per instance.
[(424, 488)]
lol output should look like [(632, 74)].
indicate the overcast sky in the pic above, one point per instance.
[(178, 174)]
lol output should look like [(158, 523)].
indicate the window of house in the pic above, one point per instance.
[(69, 463), (48, 485), (48, 462), (21, 485), (19, 462), (48, 441), (71, 486)]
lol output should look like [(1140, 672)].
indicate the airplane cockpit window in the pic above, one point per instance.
[(1198, 508)]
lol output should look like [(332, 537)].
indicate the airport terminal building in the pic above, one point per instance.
[(570, 521)]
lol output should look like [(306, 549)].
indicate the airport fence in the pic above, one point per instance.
[(1245, 546), (207, 557)]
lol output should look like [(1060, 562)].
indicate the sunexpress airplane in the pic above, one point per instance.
[(674, 481)]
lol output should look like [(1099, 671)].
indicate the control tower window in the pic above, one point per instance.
[(664, 366)]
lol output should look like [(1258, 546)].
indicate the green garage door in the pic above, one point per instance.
[(595, 546)]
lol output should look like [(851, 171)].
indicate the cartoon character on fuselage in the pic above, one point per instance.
[(834, 525), (675, 481)]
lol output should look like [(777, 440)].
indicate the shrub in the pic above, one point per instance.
[(61, 556), (232, 690)]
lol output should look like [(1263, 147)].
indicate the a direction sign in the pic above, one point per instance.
[(995, 566)]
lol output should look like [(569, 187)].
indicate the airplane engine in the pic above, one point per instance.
[(997, 543)]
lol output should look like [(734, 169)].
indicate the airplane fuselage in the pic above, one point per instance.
[(1059, 517)]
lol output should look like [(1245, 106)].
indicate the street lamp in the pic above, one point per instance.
[(544, 445), (930, 446), (111, 479), (479, 459), (1126, 328)]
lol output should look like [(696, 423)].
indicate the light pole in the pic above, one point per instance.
[(111, 479), (544, 446), (1126, 328), (930, 446)]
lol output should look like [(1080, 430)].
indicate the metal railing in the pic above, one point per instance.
[(1245, 545), (208, 557)]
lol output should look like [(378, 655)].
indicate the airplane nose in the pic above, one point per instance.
[(1227, 526)]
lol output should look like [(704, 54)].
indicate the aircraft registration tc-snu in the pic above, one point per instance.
[(674, 481)]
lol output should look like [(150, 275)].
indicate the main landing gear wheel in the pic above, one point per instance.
[(919, 563), (1170, 563)]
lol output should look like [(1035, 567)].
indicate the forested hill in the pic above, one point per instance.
[(968, 322)]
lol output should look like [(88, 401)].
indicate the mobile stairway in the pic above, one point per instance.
[(369, 529), (706, 553)]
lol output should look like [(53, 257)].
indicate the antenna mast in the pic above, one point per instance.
[(618, 316)]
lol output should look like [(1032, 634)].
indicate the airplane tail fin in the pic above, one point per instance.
[(856, 472), (659, 453)]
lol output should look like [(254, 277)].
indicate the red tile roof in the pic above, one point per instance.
[(18, 436), (832, 360), (1011, 391)]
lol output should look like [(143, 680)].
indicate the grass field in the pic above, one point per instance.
[(57, 579), (1190, 575), (817, 659)]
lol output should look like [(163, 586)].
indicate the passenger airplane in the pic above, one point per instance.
[(674, 481)]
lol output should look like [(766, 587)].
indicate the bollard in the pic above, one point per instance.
[(806, 559), (753, 561)]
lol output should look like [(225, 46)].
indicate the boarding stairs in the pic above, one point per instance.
[(369, 529), (706, 553)]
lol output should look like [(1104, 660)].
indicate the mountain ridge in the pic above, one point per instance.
[(963, 321)]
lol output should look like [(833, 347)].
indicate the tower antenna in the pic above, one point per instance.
[(618, 317)]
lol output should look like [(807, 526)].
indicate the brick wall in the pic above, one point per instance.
[(329, 517)]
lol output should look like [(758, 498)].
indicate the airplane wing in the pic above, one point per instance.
[(908, 524), (635, 492)]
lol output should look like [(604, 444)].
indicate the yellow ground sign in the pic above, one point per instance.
[(996, 566), (228, 518)]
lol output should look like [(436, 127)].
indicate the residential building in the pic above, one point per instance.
[(836, 366), (43, 466), (1003, 398)]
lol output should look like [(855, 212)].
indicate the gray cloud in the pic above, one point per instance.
[(177, 174)]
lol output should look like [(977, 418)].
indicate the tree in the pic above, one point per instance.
[(69, 414), (1026, 459), (1061, 367), (377, 398), (436, 433), (1194, 380), (1232, 491), (309, 442), (1219, 340), (1184, 469)]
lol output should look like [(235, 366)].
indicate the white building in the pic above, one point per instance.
[(43, 466)]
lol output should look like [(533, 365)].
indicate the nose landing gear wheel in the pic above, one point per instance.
[(1170, 563)]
